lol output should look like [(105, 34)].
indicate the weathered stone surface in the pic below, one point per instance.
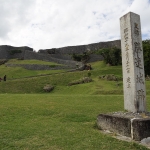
[(132, 62), (141, 129), (116, 124), (5, 51), (94, 57), (79, 49), (133, 125), (48, 88)]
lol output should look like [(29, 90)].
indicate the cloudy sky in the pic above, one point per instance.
[(42, 24)]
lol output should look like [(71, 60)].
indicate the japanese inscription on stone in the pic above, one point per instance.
[(132, 63)]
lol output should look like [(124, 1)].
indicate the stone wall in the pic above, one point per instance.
[(58, 55), (62, 56), (35, 55), (47, 57), (83, 48), (94, 58), (5, 52)]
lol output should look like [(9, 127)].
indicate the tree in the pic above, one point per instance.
[(80, 57), (111, 56), (146, 53)]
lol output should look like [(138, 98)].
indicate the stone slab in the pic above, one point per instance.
[(132, 125)]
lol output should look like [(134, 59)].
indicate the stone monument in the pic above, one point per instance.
[(132, 63), (135, 122)]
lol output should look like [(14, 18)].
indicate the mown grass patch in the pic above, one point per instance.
[(32, 61), (41, 121), (19, 72), (61, 80)]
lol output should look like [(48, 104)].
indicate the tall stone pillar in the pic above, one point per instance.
[(134, 125), (132, 63)]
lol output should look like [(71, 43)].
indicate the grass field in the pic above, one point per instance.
[(66, 122), (32, 61), (64, 119), (19, 72)]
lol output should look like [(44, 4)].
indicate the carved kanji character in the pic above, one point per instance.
[(138, 63), (139, 79), (136, 29), (128, 82), (140, 95)]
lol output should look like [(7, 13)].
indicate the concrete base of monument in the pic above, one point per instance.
[(133, 125)]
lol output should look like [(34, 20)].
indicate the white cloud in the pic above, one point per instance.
[(56, 23), (143, 9)]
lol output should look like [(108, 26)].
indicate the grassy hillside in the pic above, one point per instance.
[(19, 72), (60, 81)]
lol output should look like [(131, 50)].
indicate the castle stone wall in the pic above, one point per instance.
[(94, 57), (18, 55), (58, 55), (5, 52), (62, 56), (83, 48), (47, 57)]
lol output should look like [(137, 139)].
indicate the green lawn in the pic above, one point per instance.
[(57, 122), (60, 81), (64, 119), (19, 72), (32, 61)]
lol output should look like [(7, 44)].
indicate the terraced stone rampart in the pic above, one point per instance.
[(79, 49), (47, 57)]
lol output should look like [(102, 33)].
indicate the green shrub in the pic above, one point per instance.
[(89, 74), (12, 52), (146, 51), (80, 57), (111, 56), (52, 66)]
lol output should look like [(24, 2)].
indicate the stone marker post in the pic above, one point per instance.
[(132, 63)]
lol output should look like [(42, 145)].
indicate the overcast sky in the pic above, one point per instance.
[(42, 24)]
